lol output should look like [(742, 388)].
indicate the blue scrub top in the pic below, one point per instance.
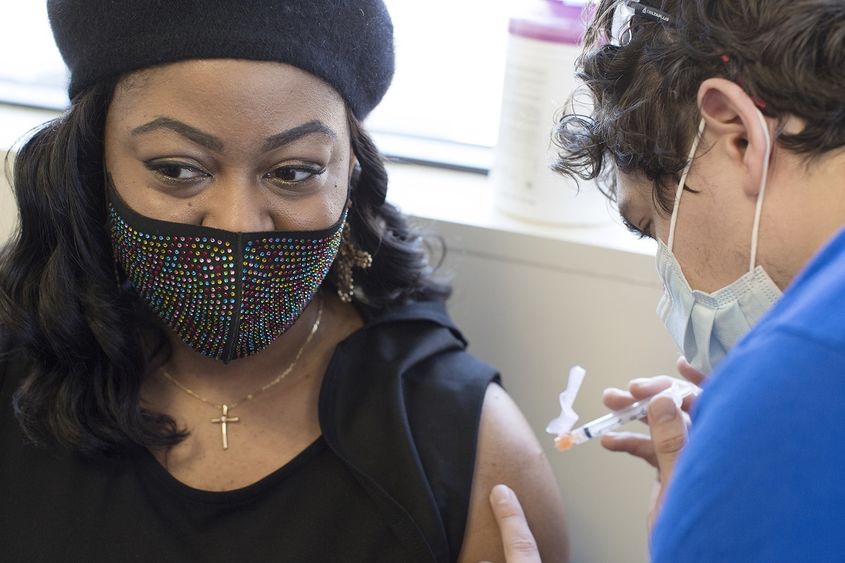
[(763, 476)]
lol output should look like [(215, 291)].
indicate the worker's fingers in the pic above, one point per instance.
[(517, 539), (690, 373), (638, 445), (693, 376), (649, 386), (617, 399), (645, 387)]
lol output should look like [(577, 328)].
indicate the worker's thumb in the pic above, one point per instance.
[(668, 434)]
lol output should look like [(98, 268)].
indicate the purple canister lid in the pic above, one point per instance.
[(555, 21)]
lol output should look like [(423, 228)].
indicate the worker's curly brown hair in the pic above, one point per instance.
[(789, 55)]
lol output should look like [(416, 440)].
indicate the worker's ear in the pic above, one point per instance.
[(737, 130)]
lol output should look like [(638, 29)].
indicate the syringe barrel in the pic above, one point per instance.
[(615, 419)]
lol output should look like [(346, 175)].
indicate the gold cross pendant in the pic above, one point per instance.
[(224, 421)]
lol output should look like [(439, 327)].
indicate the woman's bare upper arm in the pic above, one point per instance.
[(508, 452)]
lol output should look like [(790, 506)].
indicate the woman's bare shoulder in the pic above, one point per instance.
[(508, 452)]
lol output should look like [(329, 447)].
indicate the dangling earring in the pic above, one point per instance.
[(349, 257)]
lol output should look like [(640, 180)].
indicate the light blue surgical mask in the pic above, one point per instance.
[(707, 325)]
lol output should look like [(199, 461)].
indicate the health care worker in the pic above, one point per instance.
[(722, 125)]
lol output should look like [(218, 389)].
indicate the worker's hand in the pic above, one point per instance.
[(517, 538), (636, 444), (667, 425)]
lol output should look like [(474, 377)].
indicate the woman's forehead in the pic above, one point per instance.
[(228, 91)]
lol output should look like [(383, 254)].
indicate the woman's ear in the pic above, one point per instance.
[(738, 128)]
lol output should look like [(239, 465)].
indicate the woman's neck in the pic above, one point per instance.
[(222, 382)]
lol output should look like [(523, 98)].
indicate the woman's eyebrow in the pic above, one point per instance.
[(191, 133), (286, 137), (215, 144)]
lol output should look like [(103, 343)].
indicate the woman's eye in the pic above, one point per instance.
[(177, 172), (293, 174)]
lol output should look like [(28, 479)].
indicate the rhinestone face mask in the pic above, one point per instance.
[(227, 295)]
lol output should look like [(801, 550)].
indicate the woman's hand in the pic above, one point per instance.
[(517, 538), (667, 424)]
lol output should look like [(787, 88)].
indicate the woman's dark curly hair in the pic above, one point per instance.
[(90, 342), (789, 54)]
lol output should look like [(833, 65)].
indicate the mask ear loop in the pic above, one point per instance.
[(764, 177), (679, 192)]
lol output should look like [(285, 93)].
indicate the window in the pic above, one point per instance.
[(443, 106), (445, 101), (31, 70)]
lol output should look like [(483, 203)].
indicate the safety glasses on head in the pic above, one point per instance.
[(620, 33)]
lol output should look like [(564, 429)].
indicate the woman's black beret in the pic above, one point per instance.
[(347, 43)]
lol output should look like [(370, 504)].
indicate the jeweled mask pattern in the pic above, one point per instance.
[(227, 295)]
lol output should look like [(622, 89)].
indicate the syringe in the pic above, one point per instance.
[(615, 419)]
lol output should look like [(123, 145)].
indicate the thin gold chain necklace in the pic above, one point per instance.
[(224, 420)]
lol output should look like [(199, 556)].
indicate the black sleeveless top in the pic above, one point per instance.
[(388, 480)]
